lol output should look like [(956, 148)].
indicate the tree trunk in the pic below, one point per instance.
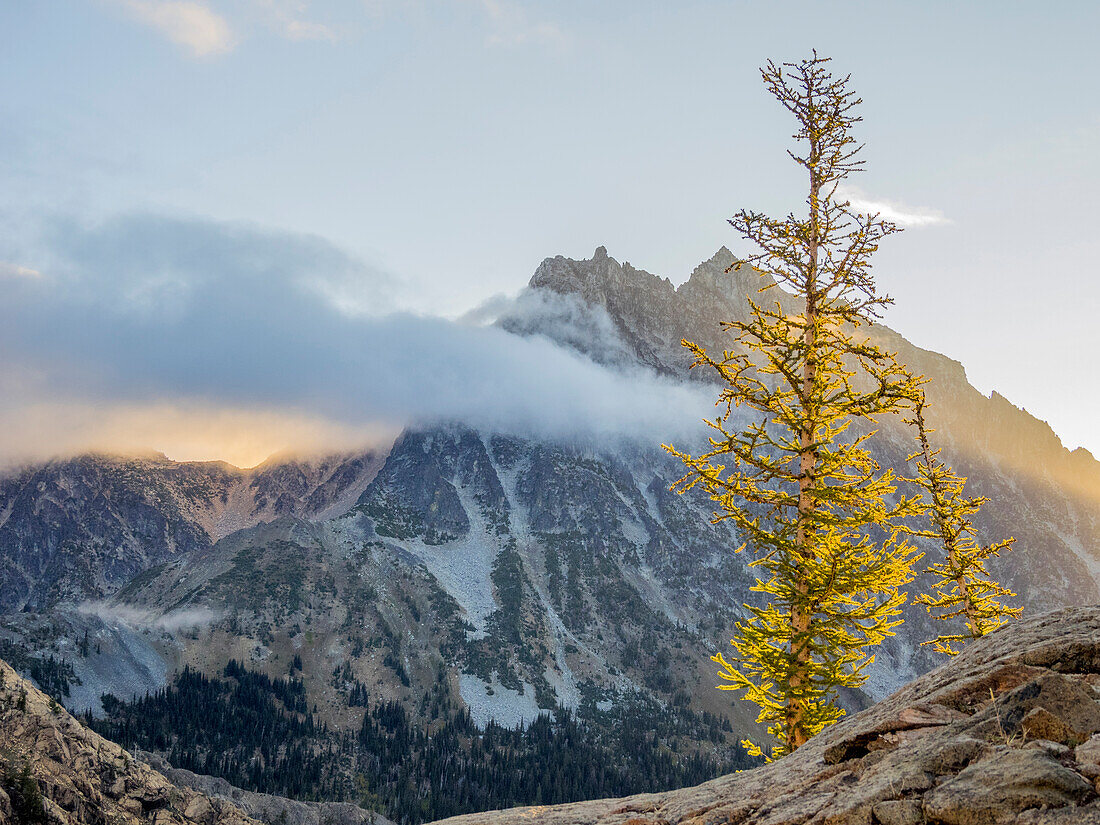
[(800, 618)]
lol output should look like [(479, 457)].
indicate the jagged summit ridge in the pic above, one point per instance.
[(649, 315), (594, 276)]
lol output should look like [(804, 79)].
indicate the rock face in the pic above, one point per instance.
[(54, 771), (271, 810), (951, 748), (538, 573)]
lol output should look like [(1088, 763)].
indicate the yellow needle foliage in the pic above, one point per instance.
[(961, 584), (819, 515)]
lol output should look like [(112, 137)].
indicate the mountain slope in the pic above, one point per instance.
[(1008, 732), (471, 569), (1042, 493), (80, 528), (533, 574)]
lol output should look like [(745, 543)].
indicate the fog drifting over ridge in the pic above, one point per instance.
[(147, 331)]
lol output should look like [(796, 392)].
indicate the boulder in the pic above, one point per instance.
[(1088, 753), (1053, 706), (997, 789)]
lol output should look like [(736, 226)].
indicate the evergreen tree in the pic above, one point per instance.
[(819, 514), (26, 797), (961, 585)]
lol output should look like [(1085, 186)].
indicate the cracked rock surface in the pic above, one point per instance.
[(84, 778), (1007, 732)]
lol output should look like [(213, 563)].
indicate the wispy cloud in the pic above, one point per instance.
[(507, 23), (900, 213), (171, 622), (188, 23), (10, 270), (204, 32), (511, 25)]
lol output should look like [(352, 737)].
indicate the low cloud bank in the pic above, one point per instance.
[(171, 622), (147, 313)]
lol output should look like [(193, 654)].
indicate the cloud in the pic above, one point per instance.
[(187, 23), (506, 22), (490, 310), (182, 430), (147, 320), (171, 622), (307, 30), (510, 25), (10, 270), (564, 319), (895, 211)]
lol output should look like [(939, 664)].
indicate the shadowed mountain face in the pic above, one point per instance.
[(489, 571), (534, 574), (80, 528)]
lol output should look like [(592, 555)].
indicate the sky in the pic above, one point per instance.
[(229, 226)]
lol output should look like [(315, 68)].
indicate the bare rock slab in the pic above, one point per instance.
[(997, 789)]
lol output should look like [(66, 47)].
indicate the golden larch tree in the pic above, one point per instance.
[(961, 586), (820, 517)]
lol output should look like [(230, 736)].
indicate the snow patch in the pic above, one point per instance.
[(130, 661), (464, 567), (890, 670), (506, 707), (350, 496), (1087, 558), (645, 581)]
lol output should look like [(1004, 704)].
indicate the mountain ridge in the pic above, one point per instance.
[(147, 509), (470, 570), (979, 433)]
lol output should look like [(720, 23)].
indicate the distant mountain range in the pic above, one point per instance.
[(465, 568)]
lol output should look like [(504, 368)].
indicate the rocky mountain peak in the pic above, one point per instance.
[(647, 312), (598, 280), (601, 280), (711, 288), (640, 306)]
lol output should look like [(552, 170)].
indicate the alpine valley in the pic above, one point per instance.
[(471, 617)]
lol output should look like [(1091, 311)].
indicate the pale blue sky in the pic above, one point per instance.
[(439, 150)]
